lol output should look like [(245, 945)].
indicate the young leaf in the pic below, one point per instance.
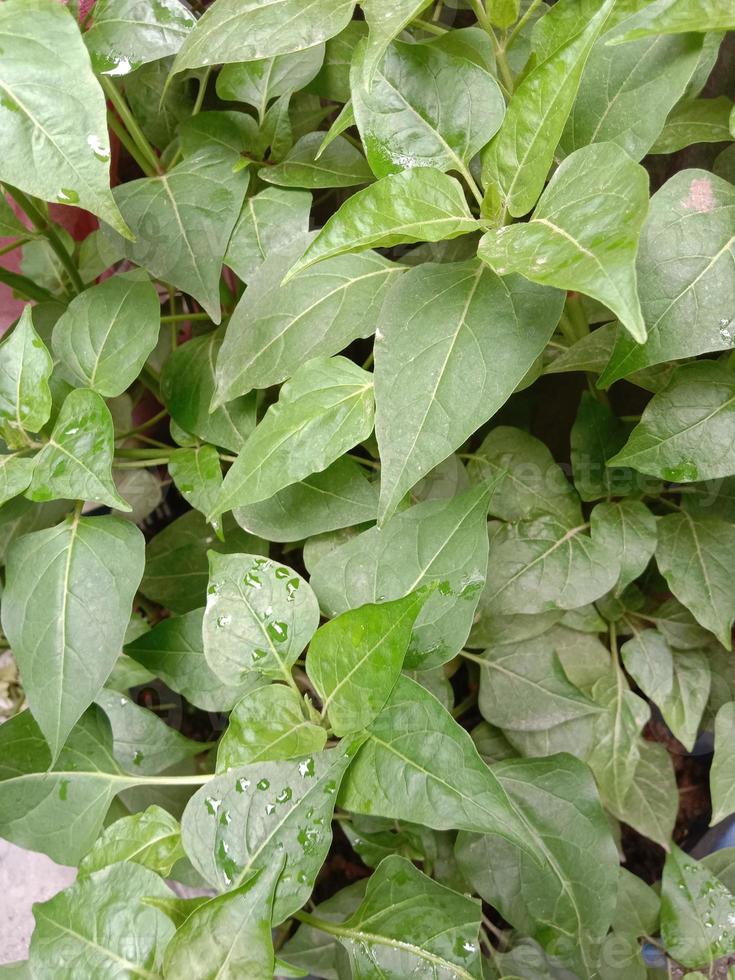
[(695, 121), (268, 222), (197, 473), (438, 541), (15, 475), (65, 610), (25, 369), (177, 567), (259, 82), (722, 773), (230, 934), (287, 808), (340, 496), (584, 232), (687, 288), (187, 388), (56, 144), (174, 651), (696, 911), (126, 34), (322, 412), (628, 90), (355, 660), (151, 838), (687, 431), (455, 341), (385, 22), (259, 617), (76, 462), (107, 332), (423, 108), (696, 556), (275, 328), (413, 206), (409, 925), (628, 529), (340, 165), (266, 725), (183, 220), (233, 30), (570, 912), (597, 434), (101, 927), (515, 164)]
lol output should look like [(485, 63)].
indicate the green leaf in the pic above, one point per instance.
[(107, 332), (628, 90), (583, 234), (151, 838), (385, 22), (187, 388), (57, 808), (275, 328), (355, 660), (312, 949), (259, 617), (424, 107), (183, 221), (177, 567), (65, 609), (10, 224), (455, 341), (259, 82), (287, 808), (100, 926), (197, 473), (269, 221), (322, 412), (628, 529), (15, 475), (174, 651), (421, 205), (266, 725), (333, 80), (686, 431), (696, 911), (25, 368), (515, 164), (126, 34), (528, 483), (568, 913), (229, 934), (687, 291), (543, 564), (696, 556), (438, 541), (680, 16), (695, 121), (409, 925), (235, 132), (597, 434), (56, 144), (234, 31), (722, 773), (340, 496), (76, 462), (340, 165), (677, 682)]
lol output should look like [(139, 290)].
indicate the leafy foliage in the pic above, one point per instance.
[(367, 485)]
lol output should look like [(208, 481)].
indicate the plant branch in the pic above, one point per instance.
[(115, 96), (50, 233)]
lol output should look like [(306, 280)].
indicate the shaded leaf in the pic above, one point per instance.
[(339, 165), (151, 838), (126, 34), (25, 369)]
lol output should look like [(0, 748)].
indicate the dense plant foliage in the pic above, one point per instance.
[(368, 506)]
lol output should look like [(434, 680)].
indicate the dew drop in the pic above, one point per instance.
[(138, 757), (212, 805), (263, 784), (242, 785), (306, 767), (223, 621), (285, 795)]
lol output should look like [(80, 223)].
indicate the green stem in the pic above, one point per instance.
[(194, 112), (566, 328), (470, 180), (426, 25), (11, 246), (148, 424), (49, 232), (505, 73), (184, 317), (122, 134), (115, 96), (521, 23), (577, 316), (25, 287)]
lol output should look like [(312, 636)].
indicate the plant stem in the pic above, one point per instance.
[(184, 317), (521, 23), (25, 286), (428, 26), (49, 232), (149, 423), (577, 316), (115, 96), (11, 246), (122, 134)]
